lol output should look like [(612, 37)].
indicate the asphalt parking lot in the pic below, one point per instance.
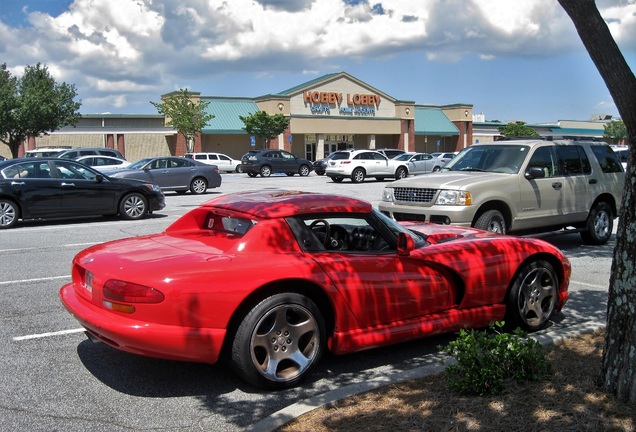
[(53, 378)]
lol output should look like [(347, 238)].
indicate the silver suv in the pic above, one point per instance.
[(518, 187)]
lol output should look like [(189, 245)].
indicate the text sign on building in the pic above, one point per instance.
[(356, 104)]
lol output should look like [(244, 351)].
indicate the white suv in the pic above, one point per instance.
[(518, 187), (222, 161), (358, 165)]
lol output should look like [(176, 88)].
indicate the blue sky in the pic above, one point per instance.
[(512, 60)]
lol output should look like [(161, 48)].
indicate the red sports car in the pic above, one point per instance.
[(271, 279)]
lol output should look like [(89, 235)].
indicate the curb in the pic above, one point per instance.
[(287, 414)]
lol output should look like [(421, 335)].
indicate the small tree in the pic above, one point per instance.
[(186, 116), (518, 129), (615, 131), (34, 105), (265, 126)]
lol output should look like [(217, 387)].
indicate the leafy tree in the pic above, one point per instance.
[(265, 126), (518, 129), (615, 131), (34, 104), (618, 369), (184, 115)]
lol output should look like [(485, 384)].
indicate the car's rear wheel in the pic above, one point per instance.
[(9, 214), (279, 341), (358, 175), (133, 206), (599, 225), (252, 174), (266, 171), (198, 185), (435, 169), (304, 170), (239, 169), (492, 220), (401, 173), (533, 296)]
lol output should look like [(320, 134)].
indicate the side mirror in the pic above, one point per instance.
[(405, 244), (535, 173), (99, 178)]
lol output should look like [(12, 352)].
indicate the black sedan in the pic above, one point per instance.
[(33, 188), (174, 174)]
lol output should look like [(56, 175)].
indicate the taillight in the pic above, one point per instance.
[(128, 292)]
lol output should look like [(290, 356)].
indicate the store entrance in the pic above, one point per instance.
[(331, 144)]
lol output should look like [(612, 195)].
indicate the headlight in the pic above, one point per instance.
[(387, 194), (452, 197)]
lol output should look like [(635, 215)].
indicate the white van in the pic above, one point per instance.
[(222, 161)]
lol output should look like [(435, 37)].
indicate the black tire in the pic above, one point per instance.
[(337, 179), (198, 185), (320, 173), (133, 206), (401, 173), (599, 225), (9, 214), (289, 174), (239, 169), (533, 296), (435, 169), (252, 174), (358, 175), (493, 221), (304, 170), (265, 171), (269, 342)]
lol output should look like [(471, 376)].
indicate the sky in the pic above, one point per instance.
[(510, 59)]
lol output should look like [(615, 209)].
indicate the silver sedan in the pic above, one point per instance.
[(173, 173)]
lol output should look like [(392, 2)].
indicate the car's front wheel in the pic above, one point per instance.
[(279, 341), (9, 214), (198, 186), (337, 179), (599, 225), (533, 296), (401, 173), (133, 206), (304, 170), (252, 174), (492, 220)]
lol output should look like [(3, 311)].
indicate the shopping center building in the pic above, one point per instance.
[(334, 111)]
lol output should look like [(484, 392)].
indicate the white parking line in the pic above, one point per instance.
[(43, 335), (40, 247), (34, 280)]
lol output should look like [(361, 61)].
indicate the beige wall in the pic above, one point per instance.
[(232, 145), (144, 145)]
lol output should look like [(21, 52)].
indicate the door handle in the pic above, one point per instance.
[(15, 183), (593, 181), (68, 184), (557, 185)]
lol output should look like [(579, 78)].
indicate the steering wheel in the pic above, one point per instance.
[(326, 241)]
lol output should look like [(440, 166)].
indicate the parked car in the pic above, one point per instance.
[(74, 153), (412, 164), (622, 151), (222, 161), (266, 162), (34, 188), (173, 173), (390, 153), (44, 151), (518, 187), (320, 166), (358, 165), (104, 164), (269, 280), (443, 158)]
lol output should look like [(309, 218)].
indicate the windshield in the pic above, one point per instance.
[(140, 163), (396, 228), (499, 158), (403, 157)]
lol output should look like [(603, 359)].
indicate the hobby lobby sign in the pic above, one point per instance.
[(333, 98)]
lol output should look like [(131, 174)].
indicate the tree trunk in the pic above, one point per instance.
[(618, 370)]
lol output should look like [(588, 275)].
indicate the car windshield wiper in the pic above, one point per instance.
[(473, 169)]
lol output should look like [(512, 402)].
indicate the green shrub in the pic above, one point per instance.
[(489, 359)]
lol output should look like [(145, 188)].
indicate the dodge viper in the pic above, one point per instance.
[(270, 280)]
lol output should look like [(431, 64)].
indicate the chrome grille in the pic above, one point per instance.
[(414, 195)]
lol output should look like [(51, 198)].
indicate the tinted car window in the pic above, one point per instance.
[(573, 160), (70, 170), (607, 159), (37, 170)]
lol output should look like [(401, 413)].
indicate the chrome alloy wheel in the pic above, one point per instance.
[(285, 342), (134, 207), (602, 224), (8, 214), (537, 296)]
